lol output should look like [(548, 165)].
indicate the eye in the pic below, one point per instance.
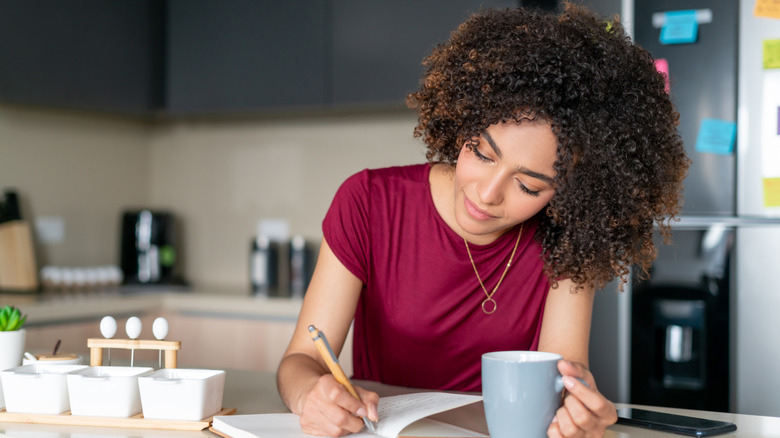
[(525, 189), (479, 155)]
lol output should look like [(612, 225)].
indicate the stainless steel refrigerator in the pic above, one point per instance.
[(697, 333)]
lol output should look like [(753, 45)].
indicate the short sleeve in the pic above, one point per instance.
[(345, 226)]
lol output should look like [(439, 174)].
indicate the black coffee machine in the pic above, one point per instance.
[(149, 254)]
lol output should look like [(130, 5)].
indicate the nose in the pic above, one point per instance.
[(490, 189)]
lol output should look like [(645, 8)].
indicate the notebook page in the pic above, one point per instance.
[(397, 412)]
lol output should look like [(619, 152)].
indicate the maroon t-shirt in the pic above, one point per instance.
[(419, 320)]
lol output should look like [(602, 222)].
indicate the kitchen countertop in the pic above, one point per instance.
[(253, 392), (51, 308)]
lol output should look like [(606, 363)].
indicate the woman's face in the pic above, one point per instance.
[(505, 180)]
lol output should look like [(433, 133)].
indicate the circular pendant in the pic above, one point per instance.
[(490, 307)]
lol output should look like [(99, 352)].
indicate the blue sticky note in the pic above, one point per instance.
[(680, 27), (716, 137)]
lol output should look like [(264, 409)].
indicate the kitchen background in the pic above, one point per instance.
[(79, 150), (219, 177), (225, 114)]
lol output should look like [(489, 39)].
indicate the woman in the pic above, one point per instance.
[(552, 150)]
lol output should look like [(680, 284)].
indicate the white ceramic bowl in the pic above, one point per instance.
[(105, 391), (182, 393), (60, 359), (37, 388)]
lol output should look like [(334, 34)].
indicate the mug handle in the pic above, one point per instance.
[(559, 383)]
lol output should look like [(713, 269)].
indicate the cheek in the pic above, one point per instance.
[(464, 169), (527, 206)]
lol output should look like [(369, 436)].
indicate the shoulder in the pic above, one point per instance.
[(371, 186), (399, 174), (386, 177)]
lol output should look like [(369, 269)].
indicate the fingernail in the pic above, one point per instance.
[(568, 382), (362, 412), (555, 419)]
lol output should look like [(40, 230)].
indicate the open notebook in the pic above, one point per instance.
[(398, 416)]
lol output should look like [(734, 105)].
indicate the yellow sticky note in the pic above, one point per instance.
[(771, 192), (771, 53), (767, 8)]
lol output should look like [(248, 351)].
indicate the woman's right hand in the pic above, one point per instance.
[(330, 410)]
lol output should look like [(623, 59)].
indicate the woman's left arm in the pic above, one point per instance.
[(566, 330)]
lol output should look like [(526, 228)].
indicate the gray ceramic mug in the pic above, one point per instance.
[(521, 390)]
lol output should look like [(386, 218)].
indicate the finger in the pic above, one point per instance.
[(329, 419), (567, 427), (371, 400), (577, 370), (554, 431), (590, 398), (344, 419), (580, 415), (338, 394), (331, 410)]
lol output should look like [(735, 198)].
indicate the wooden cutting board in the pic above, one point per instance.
[(18, 270)]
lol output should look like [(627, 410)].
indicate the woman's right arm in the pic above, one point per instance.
[(305, 383)]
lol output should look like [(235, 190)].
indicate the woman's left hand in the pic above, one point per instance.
[(585, 412)]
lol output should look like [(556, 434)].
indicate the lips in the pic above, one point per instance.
[(475, 212)]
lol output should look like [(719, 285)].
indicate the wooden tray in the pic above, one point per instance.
[(136, 421)]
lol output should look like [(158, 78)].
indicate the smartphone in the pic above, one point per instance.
[(681, 424)]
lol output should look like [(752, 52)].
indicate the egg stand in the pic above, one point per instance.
[(96, 346)]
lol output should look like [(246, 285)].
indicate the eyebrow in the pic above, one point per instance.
[(492, 143), (522, 169), (537, 175)]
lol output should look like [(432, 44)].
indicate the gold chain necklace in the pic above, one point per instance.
[(489, 298)]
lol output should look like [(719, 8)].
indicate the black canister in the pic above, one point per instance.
[(300, 266), (264, 266)]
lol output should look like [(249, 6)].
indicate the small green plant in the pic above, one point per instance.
[(11, 319)]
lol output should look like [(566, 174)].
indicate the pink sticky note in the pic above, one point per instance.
[(663, 67)]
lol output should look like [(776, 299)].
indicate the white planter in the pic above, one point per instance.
[(12, 348), (11, 352)]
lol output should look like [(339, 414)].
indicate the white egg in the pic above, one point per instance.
[(133, 327), (67, 277), (108, 327), (79, 277), (160, 328)]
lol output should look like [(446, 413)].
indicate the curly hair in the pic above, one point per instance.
[(620, 159)]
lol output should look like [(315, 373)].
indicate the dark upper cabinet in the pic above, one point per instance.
[(247, 54), (199, 57), (88, 54), (238, 55), (379, 45)]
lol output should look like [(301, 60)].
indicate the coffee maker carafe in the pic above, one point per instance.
[(148, 248)]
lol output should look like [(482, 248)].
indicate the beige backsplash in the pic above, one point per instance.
[(219, 176), (78, 166)]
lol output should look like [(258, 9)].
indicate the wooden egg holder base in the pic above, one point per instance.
[(96, 346)]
